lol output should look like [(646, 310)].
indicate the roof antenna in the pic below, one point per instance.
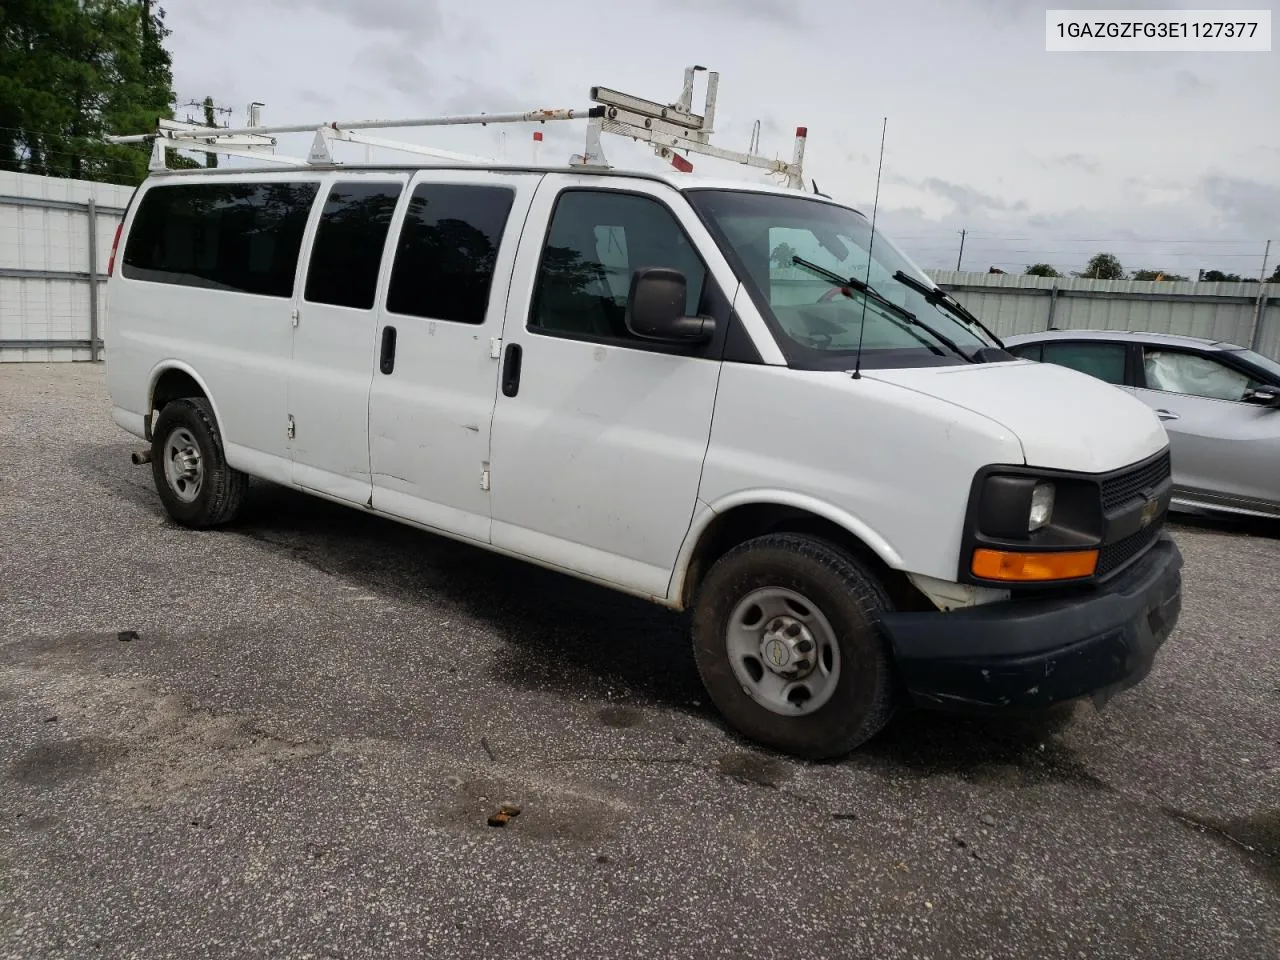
[(857, 363)]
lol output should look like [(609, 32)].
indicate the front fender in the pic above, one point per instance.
[(706, 513)]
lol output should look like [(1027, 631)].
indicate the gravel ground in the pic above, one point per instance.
[(297, 753)]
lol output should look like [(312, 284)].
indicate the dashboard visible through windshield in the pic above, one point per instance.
[(820, 324)]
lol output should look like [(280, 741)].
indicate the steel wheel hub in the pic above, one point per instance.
[(783, 651), (183, 465), (787, 648)]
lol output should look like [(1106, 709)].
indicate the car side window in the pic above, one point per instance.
[(347, 252), (1029, 352), (1106, 361), (597, 240), (448, 251), (242, 237), (1196, 375)]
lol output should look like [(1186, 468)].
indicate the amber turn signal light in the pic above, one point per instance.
[(1006, 565)]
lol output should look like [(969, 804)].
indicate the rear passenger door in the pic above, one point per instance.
[(599, 437), (437, 356), (334, 349), (1104, 360)]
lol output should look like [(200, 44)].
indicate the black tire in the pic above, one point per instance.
[(222, 488), (850, 598)]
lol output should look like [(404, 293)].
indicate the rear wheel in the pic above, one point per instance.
[(786, 639), (189, 467)]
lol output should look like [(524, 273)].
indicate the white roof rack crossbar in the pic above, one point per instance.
[(670, 129)]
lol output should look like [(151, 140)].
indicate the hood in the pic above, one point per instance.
[(1064, 419)]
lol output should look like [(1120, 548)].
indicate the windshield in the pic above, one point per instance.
[(818, 326)]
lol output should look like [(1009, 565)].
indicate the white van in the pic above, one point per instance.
[(701, 393)]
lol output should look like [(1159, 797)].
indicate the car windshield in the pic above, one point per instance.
[(818, 324)]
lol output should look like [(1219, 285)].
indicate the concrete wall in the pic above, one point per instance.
[(52, 291)]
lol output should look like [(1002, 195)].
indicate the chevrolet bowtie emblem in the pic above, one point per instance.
[(1149, 511)]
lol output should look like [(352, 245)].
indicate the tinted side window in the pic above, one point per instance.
[(1030, 351), (447, 251), (1106, 361), (597, 240), (349, 241), (223, 236)]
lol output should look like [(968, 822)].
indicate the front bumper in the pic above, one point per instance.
[(1029, 654)]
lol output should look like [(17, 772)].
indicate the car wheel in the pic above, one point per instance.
[(189, 467), (787, 642)]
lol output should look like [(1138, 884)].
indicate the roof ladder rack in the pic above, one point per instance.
[(670, 129)]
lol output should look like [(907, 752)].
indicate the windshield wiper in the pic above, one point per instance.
[(869, 291), (941, 298)]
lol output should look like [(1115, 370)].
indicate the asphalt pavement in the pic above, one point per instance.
[(285, 739)]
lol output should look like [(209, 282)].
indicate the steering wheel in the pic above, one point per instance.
[(832, 294)]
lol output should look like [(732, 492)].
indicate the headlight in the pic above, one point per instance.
[(1041, 507), (1026, 525)]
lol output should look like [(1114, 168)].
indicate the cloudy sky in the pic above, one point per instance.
[(1166, 159)]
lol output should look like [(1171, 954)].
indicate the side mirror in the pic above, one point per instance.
[(1266, 397), (655, 308)]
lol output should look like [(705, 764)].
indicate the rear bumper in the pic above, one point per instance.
[(1034, 653)]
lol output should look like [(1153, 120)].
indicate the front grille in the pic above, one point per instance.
[(1118, 554), (1120, 489)]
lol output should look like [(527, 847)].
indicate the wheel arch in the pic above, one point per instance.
[(172, 380), (718, 528)]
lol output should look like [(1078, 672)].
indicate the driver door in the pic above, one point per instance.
[(1226, 449), (598, 436)]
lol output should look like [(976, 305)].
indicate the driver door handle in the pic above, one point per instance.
[(1166, 415)]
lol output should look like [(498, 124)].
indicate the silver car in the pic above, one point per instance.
[(1220, 404)]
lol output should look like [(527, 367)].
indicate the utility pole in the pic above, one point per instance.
[(1255, 335), (961, 254), (210, 159), (210, 120)]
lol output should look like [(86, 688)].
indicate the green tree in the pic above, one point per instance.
[(73, 71), (1103, 266), (1042, 270), (1217, 276), (1156, 275), (782, 254), (1275, 277)]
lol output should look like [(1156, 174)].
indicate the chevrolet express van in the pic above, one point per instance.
[(722, 397)]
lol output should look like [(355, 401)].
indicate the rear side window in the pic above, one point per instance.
[(1106, 361), (447, 251), (243, 237), (348, 247)]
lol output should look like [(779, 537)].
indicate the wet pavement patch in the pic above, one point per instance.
[(49, 764), (748, 768), (620, 717)]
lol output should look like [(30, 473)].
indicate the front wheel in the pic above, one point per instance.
[(190, 468), (786, 638)]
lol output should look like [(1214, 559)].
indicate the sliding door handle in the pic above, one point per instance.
[(387, 361), (511, 370)]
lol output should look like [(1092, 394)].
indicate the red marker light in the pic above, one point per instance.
[(111, 261)]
